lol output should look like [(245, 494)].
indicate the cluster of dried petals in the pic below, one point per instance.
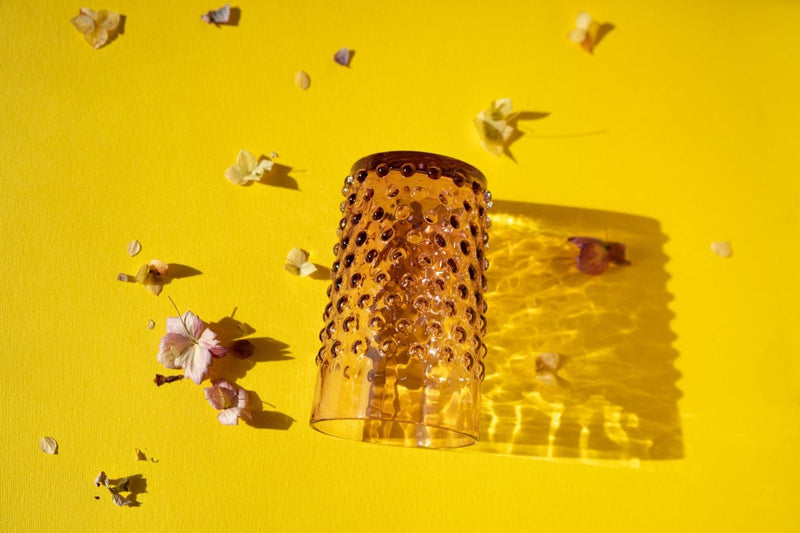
[(595, 255), (494, 125), (153, 276), (115, 487), (247, 168), (96, 26), (189, 344), (585, 31), (229, 400), (297, 263)]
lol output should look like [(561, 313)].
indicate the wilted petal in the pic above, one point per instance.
[(230, 416), (48, 445), (547, 361), (83, 22), (583, 21), (722, 248), (302, 80), (120, 500), (193, 324), (108, 20), (577, 35), (221, 397), (593, 257), (234, 176), (195, 362), (246, 162), (172, 346), (101, 479), (342, 57)]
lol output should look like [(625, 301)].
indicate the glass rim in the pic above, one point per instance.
[(422, 161), (461, 438)]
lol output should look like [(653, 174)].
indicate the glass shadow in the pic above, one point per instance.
[(612, 393)]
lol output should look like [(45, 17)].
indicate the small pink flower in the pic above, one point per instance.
[(189, 345), (595, 254), (230, 400)]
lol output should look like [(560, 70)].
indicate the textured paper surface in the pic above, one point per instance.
[(687, 114)]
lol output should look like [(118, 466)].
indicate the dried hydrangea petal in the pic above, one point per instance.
[(722, 248), (151, 324), (342, 57), (595, 254), (123, 277), (48, 445), (97, 27), (494, 125), (547, 361), (101, 479), (247, 168), (139, 454), (302, 80), (242, 349), (120, 500), (218, 16), (134, 247), (297, 263)]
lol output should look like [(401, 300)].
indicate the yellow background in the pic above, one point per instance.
[(686, 114)]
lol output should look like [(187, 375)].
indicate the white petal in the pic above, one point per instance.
[(195, 362), (306, 269), (577, 35), (234, 176), (583, 21), (722, 248), (297, 257), (108, 20), (83, 23), (230, 416), (48, 445), (246, 162), (265, 165), (291, 269), (503, 105)]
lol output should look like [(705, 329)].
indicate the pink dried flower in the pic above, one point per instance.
[(189, 345), (596, 254), (152, 275), (230, 400)]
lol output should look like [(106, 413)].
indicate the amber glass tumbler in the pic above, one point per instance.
[(402, 346)]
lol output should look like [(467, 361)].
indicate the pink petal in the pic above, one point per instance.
[(193, 324), (220, 398), (593, 257), (174, 325), (172, 346)]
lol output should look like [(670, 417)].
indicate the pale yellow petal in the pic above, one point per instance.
[(234, 176), (108, 20), (246, 162), (307, 268), (302, 80), (83, 23), (297, 257), (503, 105), (99, 37), (583, 21), (577, 35)]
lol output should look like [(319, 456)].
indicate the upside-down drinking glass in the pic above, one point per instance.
[(402, 346)]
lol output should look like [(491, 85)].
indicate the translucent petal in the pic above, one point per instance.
[(722, 248), (108, 20), (583, 21), (134, 247), (297, 257), (84, 23), (230, 416), (302, 80), (577, 35), (306, 269), (234, 176), (245, 162)]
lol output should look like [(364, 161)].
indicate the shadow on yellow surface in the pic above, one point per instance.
[(612, 393)]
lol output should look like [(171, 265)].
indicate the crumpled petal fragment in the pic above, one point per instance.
[(248, 168), (97, 27), (48, 445), (495, 126), (218, 16), (230, 400), (595, 254)]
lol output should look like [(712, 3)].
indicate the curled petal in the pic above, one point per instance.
[(246, 162), (172, 346), (234, 175), (221, 398), (230, 416)]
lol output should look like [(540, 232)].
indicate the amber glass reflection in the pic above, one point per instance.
[(402, 343)]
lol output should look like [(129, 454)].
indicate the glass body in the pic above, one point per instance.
[(402, 350)]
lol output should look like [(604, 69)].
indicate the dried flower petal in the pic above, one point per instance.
[(230, 400), (123, 277), (48, 445), (494, 125), (297, 263), (596, 254), (302, 80), (152, 276), (722, 248), (139, 454), (134, 247), (547, 361), (189, 344), (242, 349), (161, 380), (342, 57), (218, 16), (585, 32), (151, 324), (97, 27), (101, 479), (120, 500), (247, 168)]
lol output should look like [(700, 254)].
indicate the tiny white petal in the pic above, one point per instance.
[(134, 247), (577, 35), (583, 21), (722, 248), (306, 269), (48, 445)]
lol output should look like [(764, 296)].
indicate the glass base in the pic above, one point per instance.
[(393, 433)]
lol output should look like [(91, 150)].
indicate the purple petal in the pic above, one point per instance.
[(193, 324), (342, 57), (593, 257)]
